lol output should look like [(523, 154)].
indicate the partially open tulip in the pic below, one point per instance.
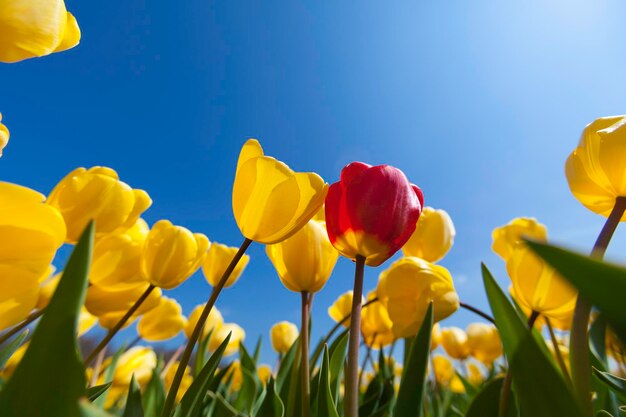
[(213, 322), (162, 322), (372, 211), (217, 260), (104, 300), (236, 376), (47, 289), (596, 169), (376, 325), (283, 335), (264, 372), (270, 201), (97, 194), (138, 361), (454, 342), (219, 335), (172, 254), (508, 237), (407, 288), (185, 383), (433, 236), (304, 261), (86, 321), (474, 374), (435, 338), (30, 234), (484, 342), (341, 308), (4, 134), (34, 28), (443, 370)]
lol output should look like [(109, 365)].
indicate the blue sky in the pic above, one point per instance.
[(478, 102)]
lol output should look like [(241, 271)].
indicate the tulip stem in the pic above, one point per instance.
[(557, 351), (478, 312), (184, 360), (305, 377), (351, 398), (112, 332), (579, 337), (505, 394), (32, 317)]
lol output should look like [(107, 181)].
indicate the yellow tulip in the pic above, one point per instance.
[(538, 286), (506, 238), (138, 361), (443, 370), (217, 260), (264, 373), (13, 361), (219, 335), (34, 28), (185, 383), (162, 322), (213, 322), (474, 376), (270, 201), (236, 376), (47, 289), (342, 307), (407, 288), (172, 254), (30, 234), (97, 193), (433, 236), (456, 385), (454, 342), (116, 259), (101, 301), (4, 135), (304, 261), (435, 338), (484, 342), (376, 325), (283, 335), (85, 321), (596, 169)]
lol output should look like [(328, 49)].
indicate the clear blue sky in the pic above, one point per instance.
[(478, 102)]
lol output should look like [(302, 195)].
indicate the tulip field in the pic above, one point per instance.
[(551, 344)]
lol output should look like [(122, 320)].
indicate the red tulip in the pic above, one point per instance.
[(372, 211)]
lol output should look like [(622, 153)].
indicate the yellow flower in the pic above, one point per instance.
[(116, 259), (162, 322), (85, 321), (596, 170), (304, 261), (185, 383), (30, 234), (270, 201), (172, 254), (484, 342), (138, 360), (220, 334), (4, 135), (282, 336), (13, 361), (264, 372), (101, 301), (97, 193), (474, 376), (506, 238), (433, 236), (407, 288), (47, 289), (538, 286), (443, 370), (34, 28), (213, 322), (236, 375), (217, 260), (435, 338), (342, 307), (376, 325), (454, 342)]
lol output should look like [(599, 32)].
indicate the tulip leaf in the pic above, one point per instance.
[(87, 409), (108, 375), (271, 404), (539, 385), (201, 352), (192, 401), (325, 403), (11, 347), (470, 389), (614, 382), (153, 397), (487, 400), (290, 389), (222, 407), (246, 360), (34, 388), (337, 354), (133, 406), (411, 394), (247, 393), (605, 290), (257, 350), (285, 365), (94, 392)]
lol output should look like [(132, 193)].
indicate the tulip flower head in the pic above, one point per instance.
[(219, 335), (162, 322), (34, 28), (185, 383), (372, 211), (376, 326), (305, 260), (596, 169), (106, 300), (433, 236), (4, 135), (97, 194), (213, 322), (138, 361), (264, 372), (270, 201), (283, 335), (342, 307), (443, 370), (508, 237), (484, 342), (217, 260), (454, 342)]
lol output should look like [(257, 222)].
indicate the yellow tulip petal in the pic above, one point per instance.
[(71, 34)]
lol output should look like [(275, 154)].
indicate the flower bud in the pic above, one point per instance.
[(433, 236), (283, 335), (454, 342), (219, 335), (213, 322), (162, 322), (484, 342), (217, 260)]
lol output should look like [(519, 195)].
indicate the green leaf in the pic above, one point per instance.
[(539, 385), (614, 382), (11, 347), (605, 291), (201, 352), (34, 388), (133, 400), (337, 354), (470, 389), (271, 406), (247, 393), (411, 393), (223, 409), (247, 362), (87, 409), (285, 365), (257, 350), (486, 402), (108, 375), (94, 392), (325, 403), (153, 397), (289, 373)]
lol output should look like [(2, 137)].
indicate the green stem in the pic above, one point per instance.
[(351, 398), (184, 360), (119, 324), (305, 384), (368, 353), (478, 312), (32, 317), (579, 337), (557, 351)]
